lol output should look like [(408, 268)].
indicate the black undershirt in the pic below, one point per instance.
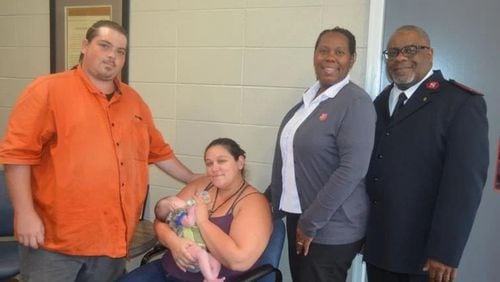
[(110, 95)]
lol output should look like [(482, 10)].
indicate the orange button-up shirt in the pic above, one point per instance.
[(89, 159)]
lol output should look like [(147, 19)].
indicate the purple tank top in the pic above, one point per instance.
[(224, 223)]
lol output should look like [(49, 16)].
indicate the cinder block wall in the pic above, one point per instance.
[(24, 49), (230, 68), (207, 69)]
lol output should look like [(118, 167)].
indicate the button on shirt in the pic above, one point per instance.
[(89, 160), (290, 201), (395, 91)]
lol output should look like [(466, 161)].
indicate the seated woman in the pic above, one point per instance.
[(236, 225)]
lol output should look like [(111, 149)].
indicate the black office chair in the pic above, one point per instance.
[(9, 256), (268, 263)]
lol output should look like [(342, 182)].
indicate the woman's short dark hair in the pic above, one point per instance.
[(350, 38), (230, 145)]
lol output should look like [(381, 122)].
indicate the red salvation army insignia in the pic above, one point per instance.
[(432, 85), (323, 116)]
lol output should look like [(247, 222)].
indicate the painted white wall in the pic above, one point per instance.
[(24, 49)]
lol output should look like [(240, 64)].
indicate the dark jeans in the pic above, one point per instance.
[(376, 274), (328, 263), (41, 265), (150, 272)]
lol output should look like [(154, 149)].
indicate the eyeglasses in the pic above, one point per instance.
[(407, 51)]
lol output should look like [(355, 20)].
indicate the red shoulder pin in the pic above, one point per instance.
[(323, 116), (465, 87), (432, 85)]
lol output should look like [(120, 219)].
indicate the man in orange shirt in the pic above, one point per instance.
[(76, 155)]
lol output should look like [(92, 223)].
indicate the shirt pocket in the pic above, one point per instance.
[(140, 140)]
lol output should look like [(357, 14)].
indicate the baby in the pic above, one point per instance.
[(181, 217)]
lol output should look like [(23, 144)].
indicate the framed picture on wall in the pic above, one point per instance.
[(69, 21)]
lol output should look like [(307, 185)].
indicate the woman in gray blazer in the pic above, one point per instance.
[(321, 157)]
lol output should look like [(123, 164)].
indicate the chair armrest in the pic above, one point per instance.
[(156, 250), (260, 272)]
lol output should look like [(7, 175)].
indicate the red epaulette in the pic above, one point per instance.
[(465, 87)]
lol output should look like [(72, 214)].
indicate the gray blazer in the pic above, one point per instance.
[(332, 149)]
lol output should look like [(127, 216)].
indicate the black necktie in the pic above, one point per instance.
[(401, 100)]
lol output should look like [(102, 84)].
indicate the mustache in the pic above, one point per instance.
[(110, 62)]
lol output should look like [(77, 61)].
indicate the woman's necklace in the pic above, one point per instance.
[(213, 208)]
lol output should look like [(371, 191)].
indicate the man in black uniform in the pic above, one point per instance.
[(428, 167)]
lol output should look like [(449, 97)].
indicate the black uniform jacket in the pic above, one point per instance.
[(426, 176)]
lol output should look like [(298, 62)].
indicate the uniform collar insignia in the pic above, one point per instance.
[(432, 85)]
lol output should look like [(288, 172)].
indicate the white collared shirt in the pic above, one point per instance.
[(395, 91), (289, 201)]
